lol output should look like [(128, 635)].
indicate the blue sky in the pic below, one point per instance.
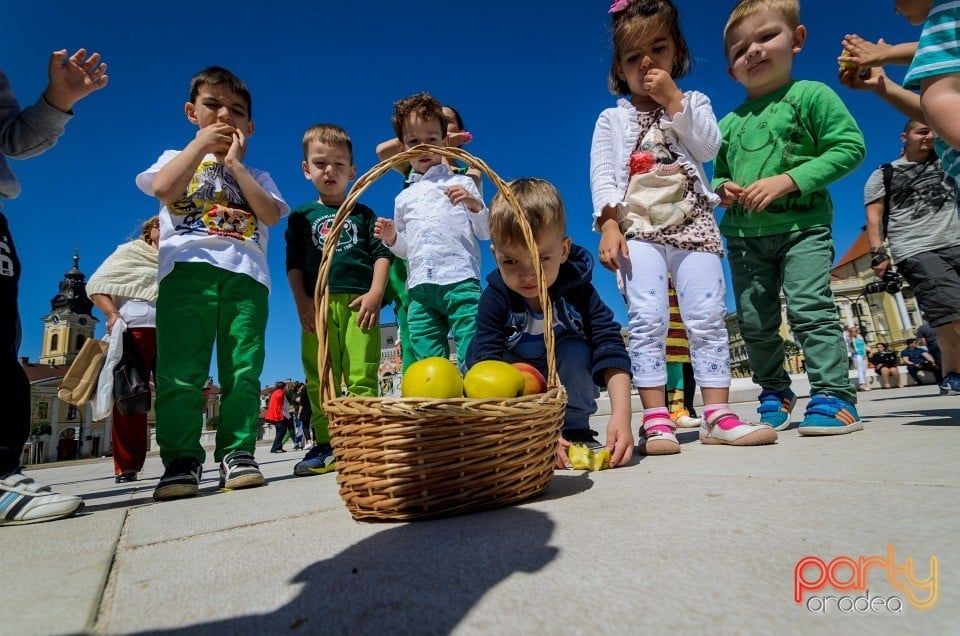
[(529, 79)]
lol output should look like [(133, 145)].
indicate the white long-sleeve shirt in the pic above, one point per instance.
[(438, 239), (693, 135)]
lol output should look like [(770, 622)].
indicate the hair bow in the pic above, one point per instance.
[(619, 5)]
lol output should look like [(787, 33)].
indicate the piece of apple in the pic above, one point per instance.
[(533, 380)]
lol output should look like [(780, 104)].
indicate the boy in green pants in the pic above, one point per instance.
[(214, 282), (358, 278), (780, 150)]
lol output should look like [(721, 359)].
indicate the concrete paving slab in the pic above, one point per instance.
[(706, 541)]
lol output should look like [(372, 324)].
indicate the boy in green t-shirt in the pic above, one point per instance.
[(780, 150), (358, 278)]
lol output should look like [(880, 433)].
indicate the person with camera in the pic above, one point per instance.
[(887, 366), (912, 205), (918, 360)]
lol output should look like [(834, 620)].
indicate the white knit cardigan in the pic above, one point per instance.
[(130, 272), (693, 135)]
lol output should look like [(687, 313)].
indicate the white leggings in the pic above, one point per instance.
[(698, 279)]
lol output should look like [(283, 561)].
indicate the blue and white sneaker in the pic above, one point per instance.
[(775, 408), (317, 461), (950, 384), (23, 500), (827, 415)]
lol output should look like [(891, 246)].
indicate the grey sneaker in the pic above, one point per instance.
[(240, 470)]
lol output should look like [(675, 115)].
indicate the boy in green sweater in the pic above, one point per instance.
[(780, 150), (358, 278)]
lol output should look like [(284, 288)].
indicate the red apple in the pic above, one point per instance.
[(533, 380)]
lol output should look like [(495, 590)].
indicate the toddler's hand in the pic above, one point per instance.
[(369, 315), (386, 231), (619, 441), (863, 52), (866, 79), (663, 89), (759, 194), (458, 194), (612, 246), (73, 78), (729, 193), (562, 460), (457, 139), (305, 312)]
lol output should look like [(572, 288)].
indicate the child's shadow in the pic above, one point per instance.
[(418, 578)]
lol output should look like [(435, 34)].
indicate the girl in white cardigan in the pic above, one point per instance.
[(654, 209)]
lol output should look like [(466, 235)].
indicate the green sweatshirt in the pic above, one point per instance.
[(803, 130), (357, 251)]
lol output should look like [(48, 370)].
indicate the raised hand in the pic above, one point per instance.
[(73, 78)]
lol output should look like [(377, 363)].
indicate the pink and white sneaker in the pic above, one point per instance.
[(657, 437), (724, 427)]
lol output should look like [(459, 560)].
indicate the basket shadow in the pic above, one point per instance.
[(416, 578), (565, 485)]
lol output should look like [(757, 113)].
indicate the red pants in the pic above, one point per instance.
[(130, 433)]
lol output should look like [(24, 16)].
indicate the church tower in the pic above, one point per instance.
[(70, 320)]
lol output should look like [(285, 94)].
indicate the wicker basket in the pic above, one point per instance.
[(411, 458)]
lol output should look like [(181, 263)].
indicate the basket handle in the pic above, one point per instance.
[(321, 295)]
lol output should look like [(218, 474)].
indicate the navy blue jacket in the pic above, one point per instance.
[(503, 314)]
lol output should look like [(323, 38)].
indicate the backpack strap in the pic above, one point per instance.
[(887, 170)]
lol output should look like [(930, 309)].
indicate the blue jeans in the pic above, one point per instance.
[(575, 368)]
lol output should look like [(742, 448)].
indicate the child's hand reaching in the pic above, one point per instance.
[(386, 231), (563, 461), (369, 314), (863, 52), (458, 194), (867, 79), (73, 78), (619, 441)]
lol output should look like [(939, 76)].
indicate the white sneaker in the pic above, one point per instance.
[(683, 419), (744, 434), (23, 500)]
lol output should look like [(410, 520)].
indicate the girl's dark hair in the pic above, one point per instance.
[(631, 22), (456, 116)]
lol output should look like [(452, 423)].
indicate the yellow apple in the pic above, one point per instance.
[(534, 381), (493, 379), (432, 378)]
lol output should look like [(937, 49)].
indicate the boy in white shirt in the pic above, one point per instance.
[(437, 221), (214, 281)]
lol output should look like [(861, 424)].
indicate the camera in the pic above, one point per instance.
[(891, 283)]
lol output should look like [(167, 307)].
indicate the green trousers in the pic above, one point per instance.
[(354, 356), (401, 303), (436, 310), (799, 262), (200, 304)]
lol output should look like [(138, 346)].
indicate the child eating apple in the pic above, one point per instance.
[(589, 348)]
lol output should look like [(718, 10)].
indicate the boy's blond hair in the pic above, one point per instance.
[(542, 208), (328, 134), (789, 10), (424, 106)]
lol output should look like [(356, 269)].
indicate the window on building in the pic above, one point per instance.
[(80, 339), (54, 341), (71, 412)]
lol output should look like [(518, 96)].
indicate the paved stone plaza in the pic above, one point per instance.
[(703, 542)]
